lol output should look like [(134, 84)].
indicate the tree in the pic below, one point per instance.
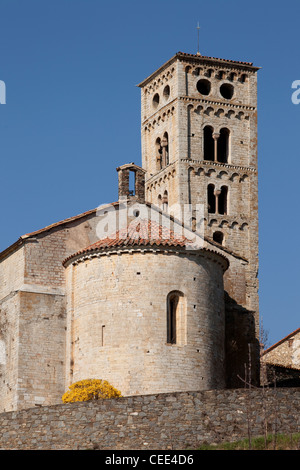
[(90, 389)]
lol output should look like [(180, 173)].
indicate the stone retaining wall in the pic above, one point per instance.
[(175, 421)]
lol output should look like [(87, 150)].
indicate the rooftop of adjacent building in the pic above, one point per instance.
[(286, 338)]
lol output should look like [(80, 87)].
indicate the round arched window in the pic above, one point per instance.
[(155, 101), (218, 237), (227, 91), (204, 86), (166, 92)]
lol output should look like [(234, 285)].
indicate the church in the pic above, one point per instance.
[(156, 292)]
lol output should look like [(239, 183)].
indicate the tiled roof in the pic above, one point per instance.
[(283, 366), (215, 58), (159, 236), (281, 341), (65, 221), (183, 55), (24, 237), (143, 233)]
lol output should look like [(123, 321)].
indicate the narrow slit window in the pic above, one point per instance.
[(176, 318), (102, 335), (171, 325)]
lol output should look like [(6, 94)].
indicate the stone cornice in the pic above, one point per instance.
[(214, 255), (218, 103), (169, 108), (199, 59), (164, 110), (219, 165), (163, 171)]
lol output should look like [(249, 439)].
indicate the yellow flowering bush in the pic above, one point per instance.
[(90, 389)]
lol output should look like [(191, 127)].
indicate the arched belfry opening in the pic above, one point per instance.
[(223, 146), (158, 150), (222, 206), (162, 151), (217, 200), (209, 146), (165, 149), (131, 182), (211, 199), (165, 201), (216, 145)]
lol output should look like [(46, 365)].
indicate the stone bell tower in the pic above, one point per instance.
[(199, 146)]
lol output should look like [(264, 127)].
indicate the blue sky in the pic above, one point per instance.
[(72, 112)]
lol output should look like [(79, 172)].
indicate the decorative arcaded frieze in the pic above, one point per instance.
[(219, 165), (159, 116), (161, 79), (217, 103), (166, 172), (214, 255)]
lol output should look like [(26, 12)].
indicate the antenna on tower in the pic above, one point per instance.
[(198, 28)]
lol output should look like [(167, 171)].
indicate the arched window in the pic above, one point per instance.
[(217, 200), (209, 146), (155, 101), (165, 149), (223, 146), (211, 199), (175, 318), (158, 154), (218, 237), (222, 200), (131, 183), (165, 201)]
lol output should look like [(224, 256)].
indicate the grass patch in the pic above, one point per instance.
[(272, 442)]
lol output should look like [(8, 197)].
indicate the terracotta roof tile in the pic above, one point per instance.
[(144, 233), (281, 341), (215, 58)]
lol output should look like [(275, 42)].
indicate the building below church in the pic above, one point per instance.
[(156, 292), (280, 363)]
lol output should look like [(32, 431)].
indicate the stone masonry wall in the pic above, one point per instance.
[(176, 421), (32, 313)]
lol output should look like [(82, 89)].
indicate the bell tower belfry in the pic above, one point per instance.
[(199, 146)]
